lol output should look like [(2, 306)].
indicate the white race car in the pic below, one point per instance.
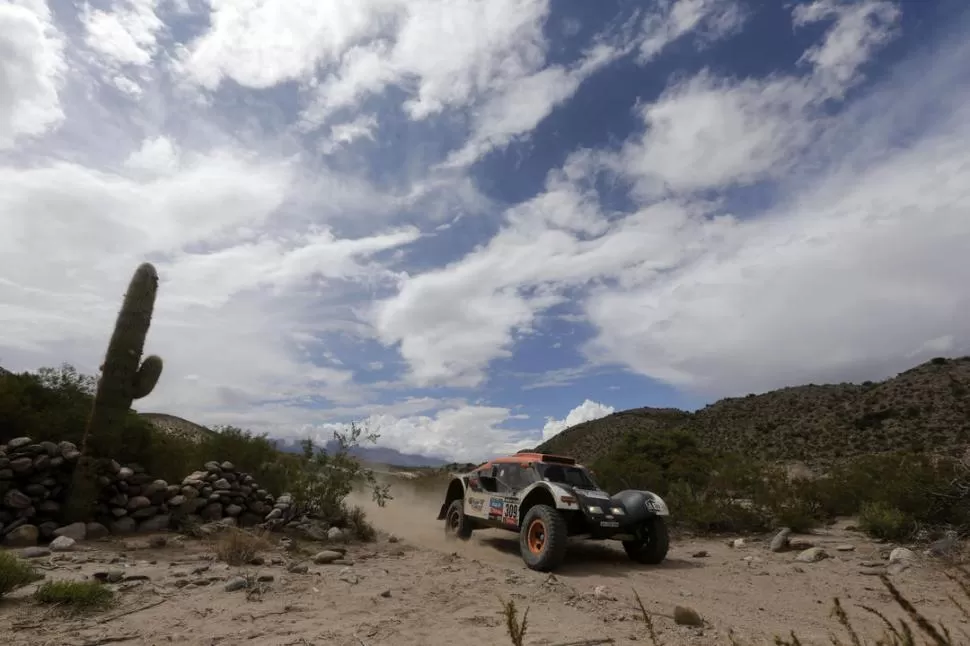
[(547, 499)]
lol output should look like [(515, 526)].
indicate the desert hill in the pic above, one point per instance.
[(924, 408), (176, 426)]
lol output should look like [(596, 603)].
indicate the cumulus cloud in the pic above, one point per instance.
[(585, 412), (32, 65)]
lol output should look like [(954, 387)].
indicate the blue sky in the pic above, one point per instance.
[(469, 224)]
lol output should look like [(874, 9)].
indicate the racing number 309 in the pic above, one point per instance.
[(511, 513)]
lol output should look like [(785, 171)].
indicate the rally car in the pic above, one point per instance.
[(547, 499)]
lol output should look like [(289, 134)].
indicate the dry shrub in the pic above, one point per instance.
[(15, 573), (75, 595), (237, 546)]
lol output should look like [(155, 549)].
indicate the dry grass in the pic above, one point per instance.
[(514, 627), (75, 595), (238, 547), (15, 573)]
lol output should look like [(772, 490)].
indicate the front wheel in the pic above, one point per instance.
[(653, 544), (456, 523), (543, 538)]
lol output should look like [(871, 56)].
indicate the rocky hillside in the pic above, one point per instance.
[(924, 408), (177, 427)]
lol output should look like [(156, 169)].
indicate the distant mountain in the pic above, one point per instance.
[(926, 408), (374, 454), (177, 426)]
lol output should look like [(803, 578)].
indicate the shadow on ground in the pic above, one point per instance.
[(586, 558)]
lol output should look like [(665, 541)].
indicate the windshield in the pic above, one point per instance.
[(567, 474)]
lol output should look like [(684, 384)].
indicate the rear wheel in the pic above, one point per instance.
[(653, 544), (543, 538), (456, 523)]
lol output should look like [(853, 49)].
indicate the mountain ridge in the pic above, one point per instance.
[(924, 408)]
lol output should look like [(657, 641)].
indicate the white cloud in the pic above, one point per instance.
[(858, 29), (32, 66), (346, 133), (525, 102), (670, 20), (479, 46), (585, 412), (854, 277), (126, 34), (709, 133), (469, 433), (264, 42)]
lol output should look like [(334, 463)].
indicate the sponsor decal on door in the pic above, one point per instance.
[(495, 507)]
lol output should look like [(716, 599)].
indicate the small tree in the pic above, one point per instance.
[(320, 489)]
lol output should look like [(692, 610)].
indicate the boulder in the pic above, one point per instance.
[(75, 531), (22, 536)]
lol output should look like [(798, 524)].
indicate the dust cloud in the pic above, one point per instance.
[(412, 516)]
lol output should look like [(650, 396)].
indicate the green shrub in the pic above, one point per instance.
[(15, 573), (324, 480), (882, 521), (895, 492), (75, 595)]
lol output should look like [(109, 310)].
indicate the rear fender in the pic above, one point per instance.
[(456, 491)]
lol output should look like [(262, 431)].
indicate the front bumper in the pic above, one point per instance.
[(622, 515)]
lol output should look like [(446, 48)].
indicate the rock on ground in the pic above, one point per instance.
[(811, 555)]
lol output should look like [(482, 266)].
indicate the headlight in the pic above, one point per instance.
[(595, 509), (617, 511)]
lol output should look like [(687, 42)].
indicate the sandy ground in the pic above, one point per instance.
[(424, 590)]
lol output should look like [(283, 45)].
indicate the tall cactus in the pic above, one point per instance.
[(122, 378)]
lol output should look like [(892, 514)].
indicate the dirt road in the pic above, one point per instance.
[(423, 590)]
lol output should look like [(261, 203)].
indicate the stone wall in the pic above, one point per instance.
[(35, 478)]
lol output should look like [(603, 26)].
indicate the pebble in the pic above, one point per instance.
[(34, 552), (236, 583), (684, 616), (326, 556), (111, 576)]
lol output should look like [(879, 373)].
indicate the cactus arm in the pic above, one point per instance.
[(147, 376)]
